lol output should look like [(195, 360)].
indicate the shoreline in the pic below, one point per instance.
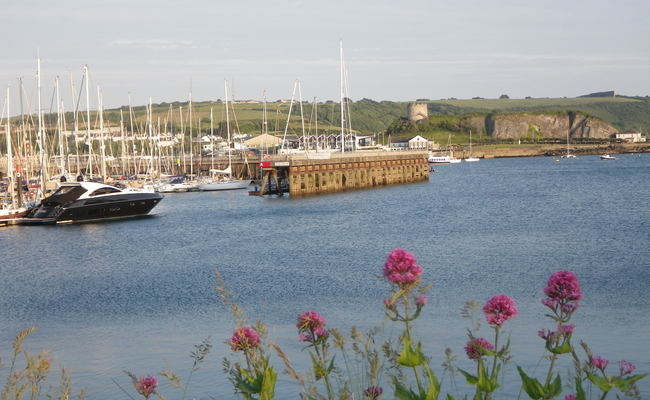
[(553, 150)]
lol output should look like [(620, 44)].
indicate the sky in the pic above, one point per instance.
[(139, 51)]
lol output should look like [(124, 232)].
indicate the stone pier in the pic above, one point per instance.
[(317, 173)]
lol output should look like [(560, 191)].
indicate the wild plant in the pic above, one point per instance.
[(497, 311), (27, 380), (405, 306), (364, 360), (253, 377)]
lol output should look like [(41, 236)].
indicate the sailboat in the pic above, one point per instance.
[(471, 156), (229, 183), (568, 154), (11, 210)]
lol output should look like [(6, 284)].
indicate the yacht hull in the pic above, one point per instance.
[(77, 206)]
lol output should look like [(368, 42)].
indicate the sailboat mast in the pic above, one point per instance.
[(41, 139), (102, 147), (75, 106), (10, 159), (191, 137), (342, 98), (225, 84), (211, 140), (302, 120), (90, 142), (59, 127), (123, 141)]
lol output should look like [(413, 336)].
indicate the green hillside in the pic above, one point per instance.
[(367, 115), (621, 112)]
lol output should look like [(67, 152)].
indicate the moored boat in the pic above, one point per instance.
[(226, 184), (439, 160), (607, 157), (85, 201)]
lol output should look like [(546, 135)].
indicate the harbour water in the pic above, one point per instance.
[(137, 295)]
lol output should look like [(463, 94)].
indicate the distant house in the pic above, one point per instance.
[(631, 136), (409, 143)]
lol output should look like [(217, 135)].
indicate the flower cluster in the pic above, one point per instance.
[(625, 367), (600, 363), (563, 332), (311, 327), (373, 392), (474, 347), (244, 338), (499, 309), (563, 293), (146, 385), (401, 268)]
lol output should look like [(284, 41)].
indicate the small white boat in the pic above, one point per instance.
[(607, 157), (176, 185), (439, 160), (226, 184), (471, 157)]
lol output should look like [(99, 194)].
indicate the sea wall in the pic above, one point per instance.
[(540, 126), (344, 172)]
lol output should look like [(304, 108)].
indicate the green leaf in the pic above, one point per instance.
[(268, 384), (579, 390), (434, 385), (602, 383), (319, 370), (403, 393), (553, 317), (624, 384), (531, 386), (331, 366), (486, 384), (505, 348), (564, 348), (471, 379), (409, 357), (555, 388)]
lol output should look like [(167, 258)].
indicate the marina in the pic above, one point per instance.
[(137, 294)]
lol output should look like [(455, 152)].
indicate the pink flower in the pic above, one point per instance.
[(499, 309), (244, 338), (626, 367), (563, 292), (309, 320), (600, 363), (566, 330), (311, 327), (474, 346), (401, 268), (373, 392), (420, 301), (570, 397), (146, 386)]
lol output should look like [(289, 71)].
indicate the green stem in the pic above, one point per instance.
[(496, 352), (408, 333), (550, 370), (478, 373), (328, 385)]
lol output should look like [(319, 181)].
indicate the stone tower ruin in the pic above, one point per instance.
[(417, 112)]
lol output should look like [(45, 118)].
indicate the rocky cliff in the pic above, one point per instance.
[(540, 126)]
